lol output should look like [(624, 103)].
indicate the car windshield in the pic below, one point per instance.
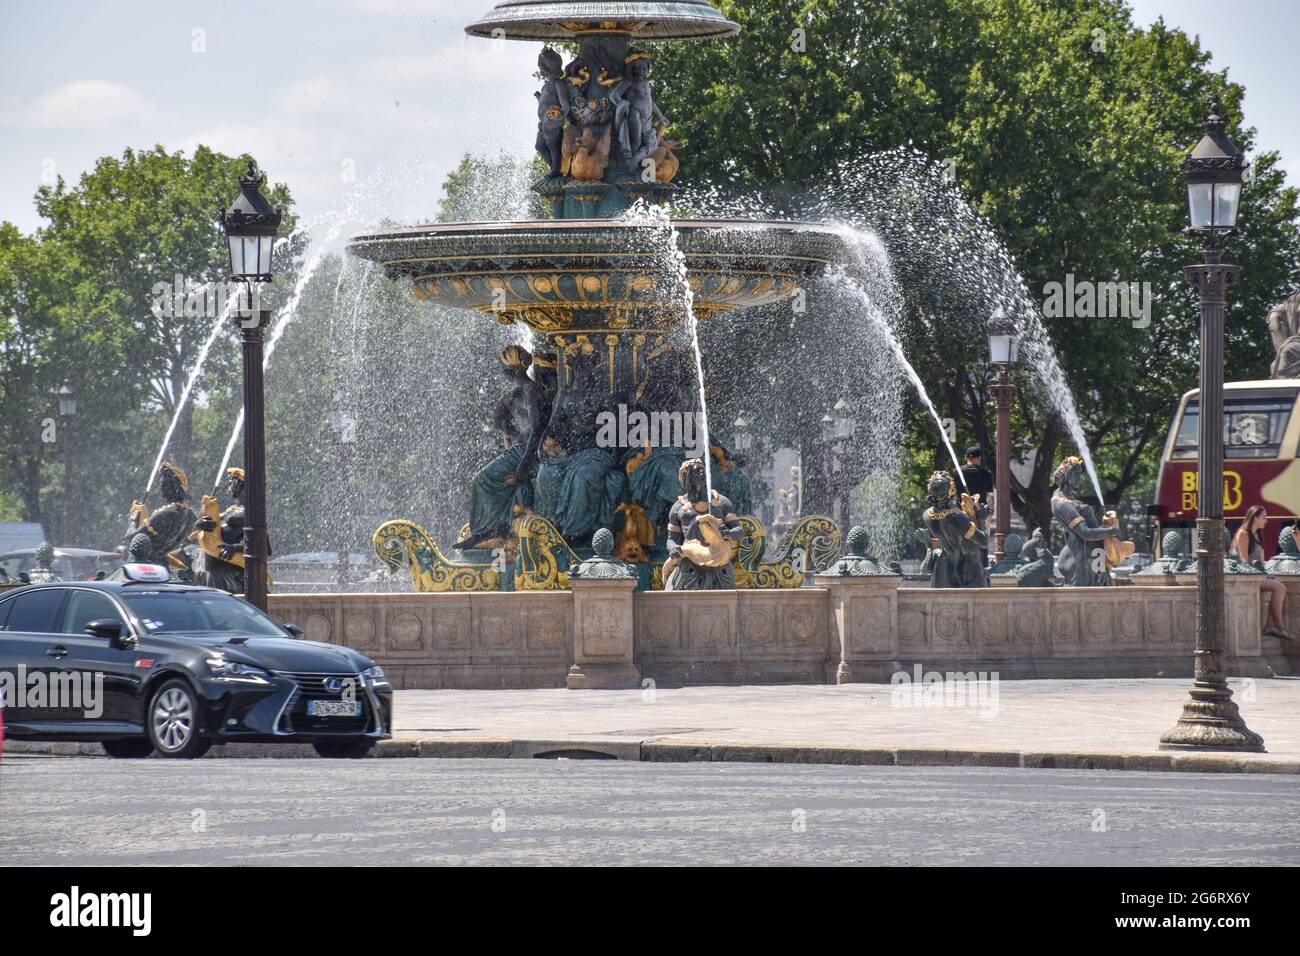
[(198, 612)]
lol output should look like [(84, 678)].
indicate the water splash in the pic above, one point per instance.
[(195, 372), (873, 314), (952, 254), (658, 219), (287, 315)]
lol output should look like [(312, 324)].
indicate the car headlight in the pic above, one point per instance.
[(375, 675), (236, 672)]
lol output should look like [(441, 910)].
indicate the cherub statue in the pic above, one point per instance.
[(957, 563), (635, 112), (700, 536), (1087, 556), (552, 109)]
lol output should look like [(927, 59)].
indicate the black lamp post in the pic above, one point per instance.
[(1004, 352), (68, 412), (251, 225), (1213, 173)]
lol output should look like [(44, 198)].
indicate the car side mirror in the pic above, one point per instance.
[(112, 629), (294, 629)]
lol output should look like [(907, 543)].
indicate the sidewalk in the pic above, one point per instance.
[(1104, 724), (1101, 725)]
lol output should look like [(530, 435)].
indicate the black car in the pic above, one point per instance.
[(144, 665)]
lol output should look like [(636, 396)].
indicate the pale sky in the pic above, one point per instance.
[(388, 92)]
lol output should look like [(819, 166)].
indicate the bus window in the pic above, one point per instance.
[(1252, 428)]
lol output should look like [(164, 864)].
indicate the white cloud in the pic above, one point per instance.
[(87, 105)]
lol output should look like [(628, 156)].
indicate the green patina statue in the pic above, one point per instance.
[(502, 489), (579, 485)]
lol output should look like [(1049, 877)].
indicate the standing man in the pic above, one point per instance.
[(979, 481)]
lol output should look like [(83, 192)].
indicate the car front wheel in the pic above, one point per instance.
[(132, 748), (343, 748), (173, 722)]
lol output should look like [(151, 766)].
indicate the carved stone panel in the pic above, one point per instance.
[(950, 624), (1065, 625), (1029, 623), (404, 632), (498, 629), (359, 629), (451, 628), (871, 620), (710, 628)]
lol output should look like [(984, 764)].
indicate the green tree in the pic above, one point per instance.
[(131, 230)]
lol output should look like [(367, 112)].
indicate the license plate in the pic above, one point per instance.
[(333, 708)]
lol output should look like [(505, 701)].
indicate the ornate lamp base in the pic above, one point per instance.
[(1211, 721)]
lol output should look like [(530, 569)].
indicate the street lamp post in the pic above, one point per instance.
[(1213, 174), (251, 225), (1004, 351), (68, 412)]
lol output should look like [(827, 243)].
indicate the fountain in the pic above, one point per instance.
[(612, 288), (606, 308)]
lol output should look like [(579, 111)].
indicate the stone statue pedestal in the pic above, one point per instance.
[(864, 626), (602, 634)]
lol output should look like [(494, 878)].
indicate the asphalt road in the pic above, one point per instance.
[(85, 810)]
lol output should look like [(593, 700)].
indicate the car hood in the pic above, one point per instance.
[(283, 653)]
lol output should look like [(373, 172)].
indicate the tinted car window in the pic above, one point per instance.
[(4, 613), (86, 606), (36, 611), (198, 612)]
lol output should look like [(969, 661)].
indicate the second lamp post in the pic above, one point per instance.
[(251, 225), (1004, 352)]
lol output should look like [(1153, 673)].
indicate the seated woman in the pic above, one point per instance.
[(1248, 545)]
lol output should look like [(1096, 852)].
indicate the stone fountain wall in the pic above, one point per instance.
[(846, 629)]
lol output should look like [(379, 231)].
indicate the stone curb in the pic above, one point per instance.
[(662, 750)]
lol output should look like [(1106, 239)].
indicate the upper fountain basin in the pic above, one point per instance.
[(644, 20), (548, 273)]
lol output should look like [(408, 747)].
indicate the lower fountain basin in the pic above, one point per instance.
[(549, 274)]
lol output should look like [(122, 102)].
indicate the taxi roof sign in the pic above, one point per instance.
[(153, 573)]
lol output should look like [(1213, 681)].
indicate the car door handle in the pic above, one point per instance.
[(57, 650)]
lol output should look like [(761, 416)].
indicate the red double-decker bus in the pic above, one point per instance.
[(1261, 440)]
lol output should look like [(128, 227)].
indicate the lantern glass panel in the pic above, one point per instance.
[(1200, 205), (1002, 349), (236, 255), (1226, 199)]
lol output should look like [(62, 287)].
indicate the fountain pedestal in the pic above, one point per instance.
[(603, 622), (602, 635), (864, 614)]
